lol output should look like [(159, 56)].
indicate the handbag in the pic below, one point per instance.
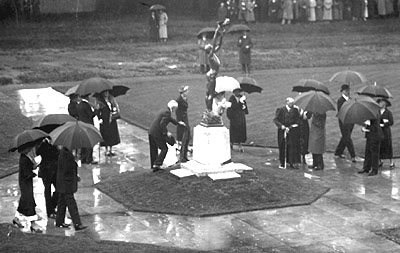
[(115, 115)]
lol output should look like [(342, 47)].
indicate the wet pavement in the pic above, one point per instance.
[(343, 220)]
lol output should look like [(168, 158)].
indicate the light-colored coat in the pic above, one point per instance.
[(163, 25)]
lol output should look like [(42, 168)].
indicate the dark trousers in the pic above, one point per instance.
[(50, 198), (67, 200), (371, 161), (318, 161), (185, 144), (155, 144), (345, 140), (86, 155)]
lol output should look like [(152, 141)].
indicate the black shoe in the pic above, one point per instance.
[(80, 227), (17, 223), (373, 173), (36, 230), (63, 225), (363, 171)]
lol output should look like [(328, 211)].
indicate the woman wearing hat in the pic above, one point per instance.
[(386, 149)]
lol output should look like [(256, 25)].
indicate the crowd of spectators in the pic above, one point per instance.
[(288, 11)]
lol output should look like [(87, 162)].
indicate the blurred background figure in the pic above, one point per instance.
[(163, 20), (337, 9), (287, 9), (232, 9), (222, 11), (319, 10), (274, 10), (153, 26), (203, 58), (316, 144), (108, 113), (245, 44), (327, 13), (311, 10), (386, 149), (183, 132), (237, 118), (242, 11), (250, 17)]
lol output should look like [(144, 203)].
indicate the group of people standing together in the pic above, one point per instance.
[(301, 132), (158, 26), (58, 168)]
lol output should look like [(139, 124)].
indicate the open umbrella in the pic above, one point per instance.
[(348, 77), (238, 28), (93, 85), (375, 91), (249, 85), (156, 7), (49, 122), (208, 31), (358, 110), (305, 85), (26, 139), (226, 83), (118, 90), (73, 135), (315, 101)]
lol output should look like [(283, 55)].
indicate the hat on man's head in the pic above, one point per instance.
[(183, 88), (386, 101), (344, 87)]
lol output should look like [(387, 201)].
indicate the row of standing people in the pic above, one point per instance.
[(297, 137)]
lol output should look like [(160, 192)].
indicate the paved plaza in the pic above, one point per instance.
[(343, 220)]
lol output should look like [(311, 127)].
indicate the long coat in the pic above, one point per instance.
[(286, 118), (304, 127), (316, 143), (337, 10), (327, 10), (108, 126), (85, 112), (287, 8), (163, 25), (311, 10), (237, 117), (67, 173), (181, 115), (48, 166), (386, 151), (245, 46), (319, 10), (153, 27), (27, 204)]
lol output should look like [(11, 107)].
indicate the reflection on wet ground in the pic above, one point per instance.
[(343, 220)]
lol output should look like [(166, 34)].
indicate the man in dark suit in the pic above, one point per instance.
[(374, 136), (158, 135), (86, 114), (345, 129), (182, 132), (287, 120), (67, 185)]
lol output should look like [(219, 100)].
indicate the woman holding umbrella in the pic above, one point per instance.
[(237, 117), (26, 205), (108, 113), (386, 149)]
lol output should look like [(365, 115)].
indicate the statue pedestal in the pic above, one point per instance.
[(211, 155), (211, 145)]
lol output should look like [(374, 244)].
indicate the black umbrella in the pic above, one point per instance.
[(27, 138), (249, 85), (238, 28), (208, 31), (117, 90), (156, 7), (305, 85)]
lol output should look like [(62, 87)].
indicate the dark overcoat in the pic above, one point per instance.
[(67, 173), (245, 46), (108, 126), (237, 118), (85, 112), (48, 166), (181, 115), (386, 151), (27, 204), (158, 127), (316, 143)]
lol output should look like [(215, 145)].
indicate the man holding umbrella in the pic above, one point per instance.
[(345, 129)]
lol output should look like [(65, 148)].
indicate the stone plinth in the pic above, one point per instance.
[(211, 145)]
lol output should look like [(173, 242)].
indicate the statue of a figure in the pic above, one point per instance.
[(214, 61), (210, 116)]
